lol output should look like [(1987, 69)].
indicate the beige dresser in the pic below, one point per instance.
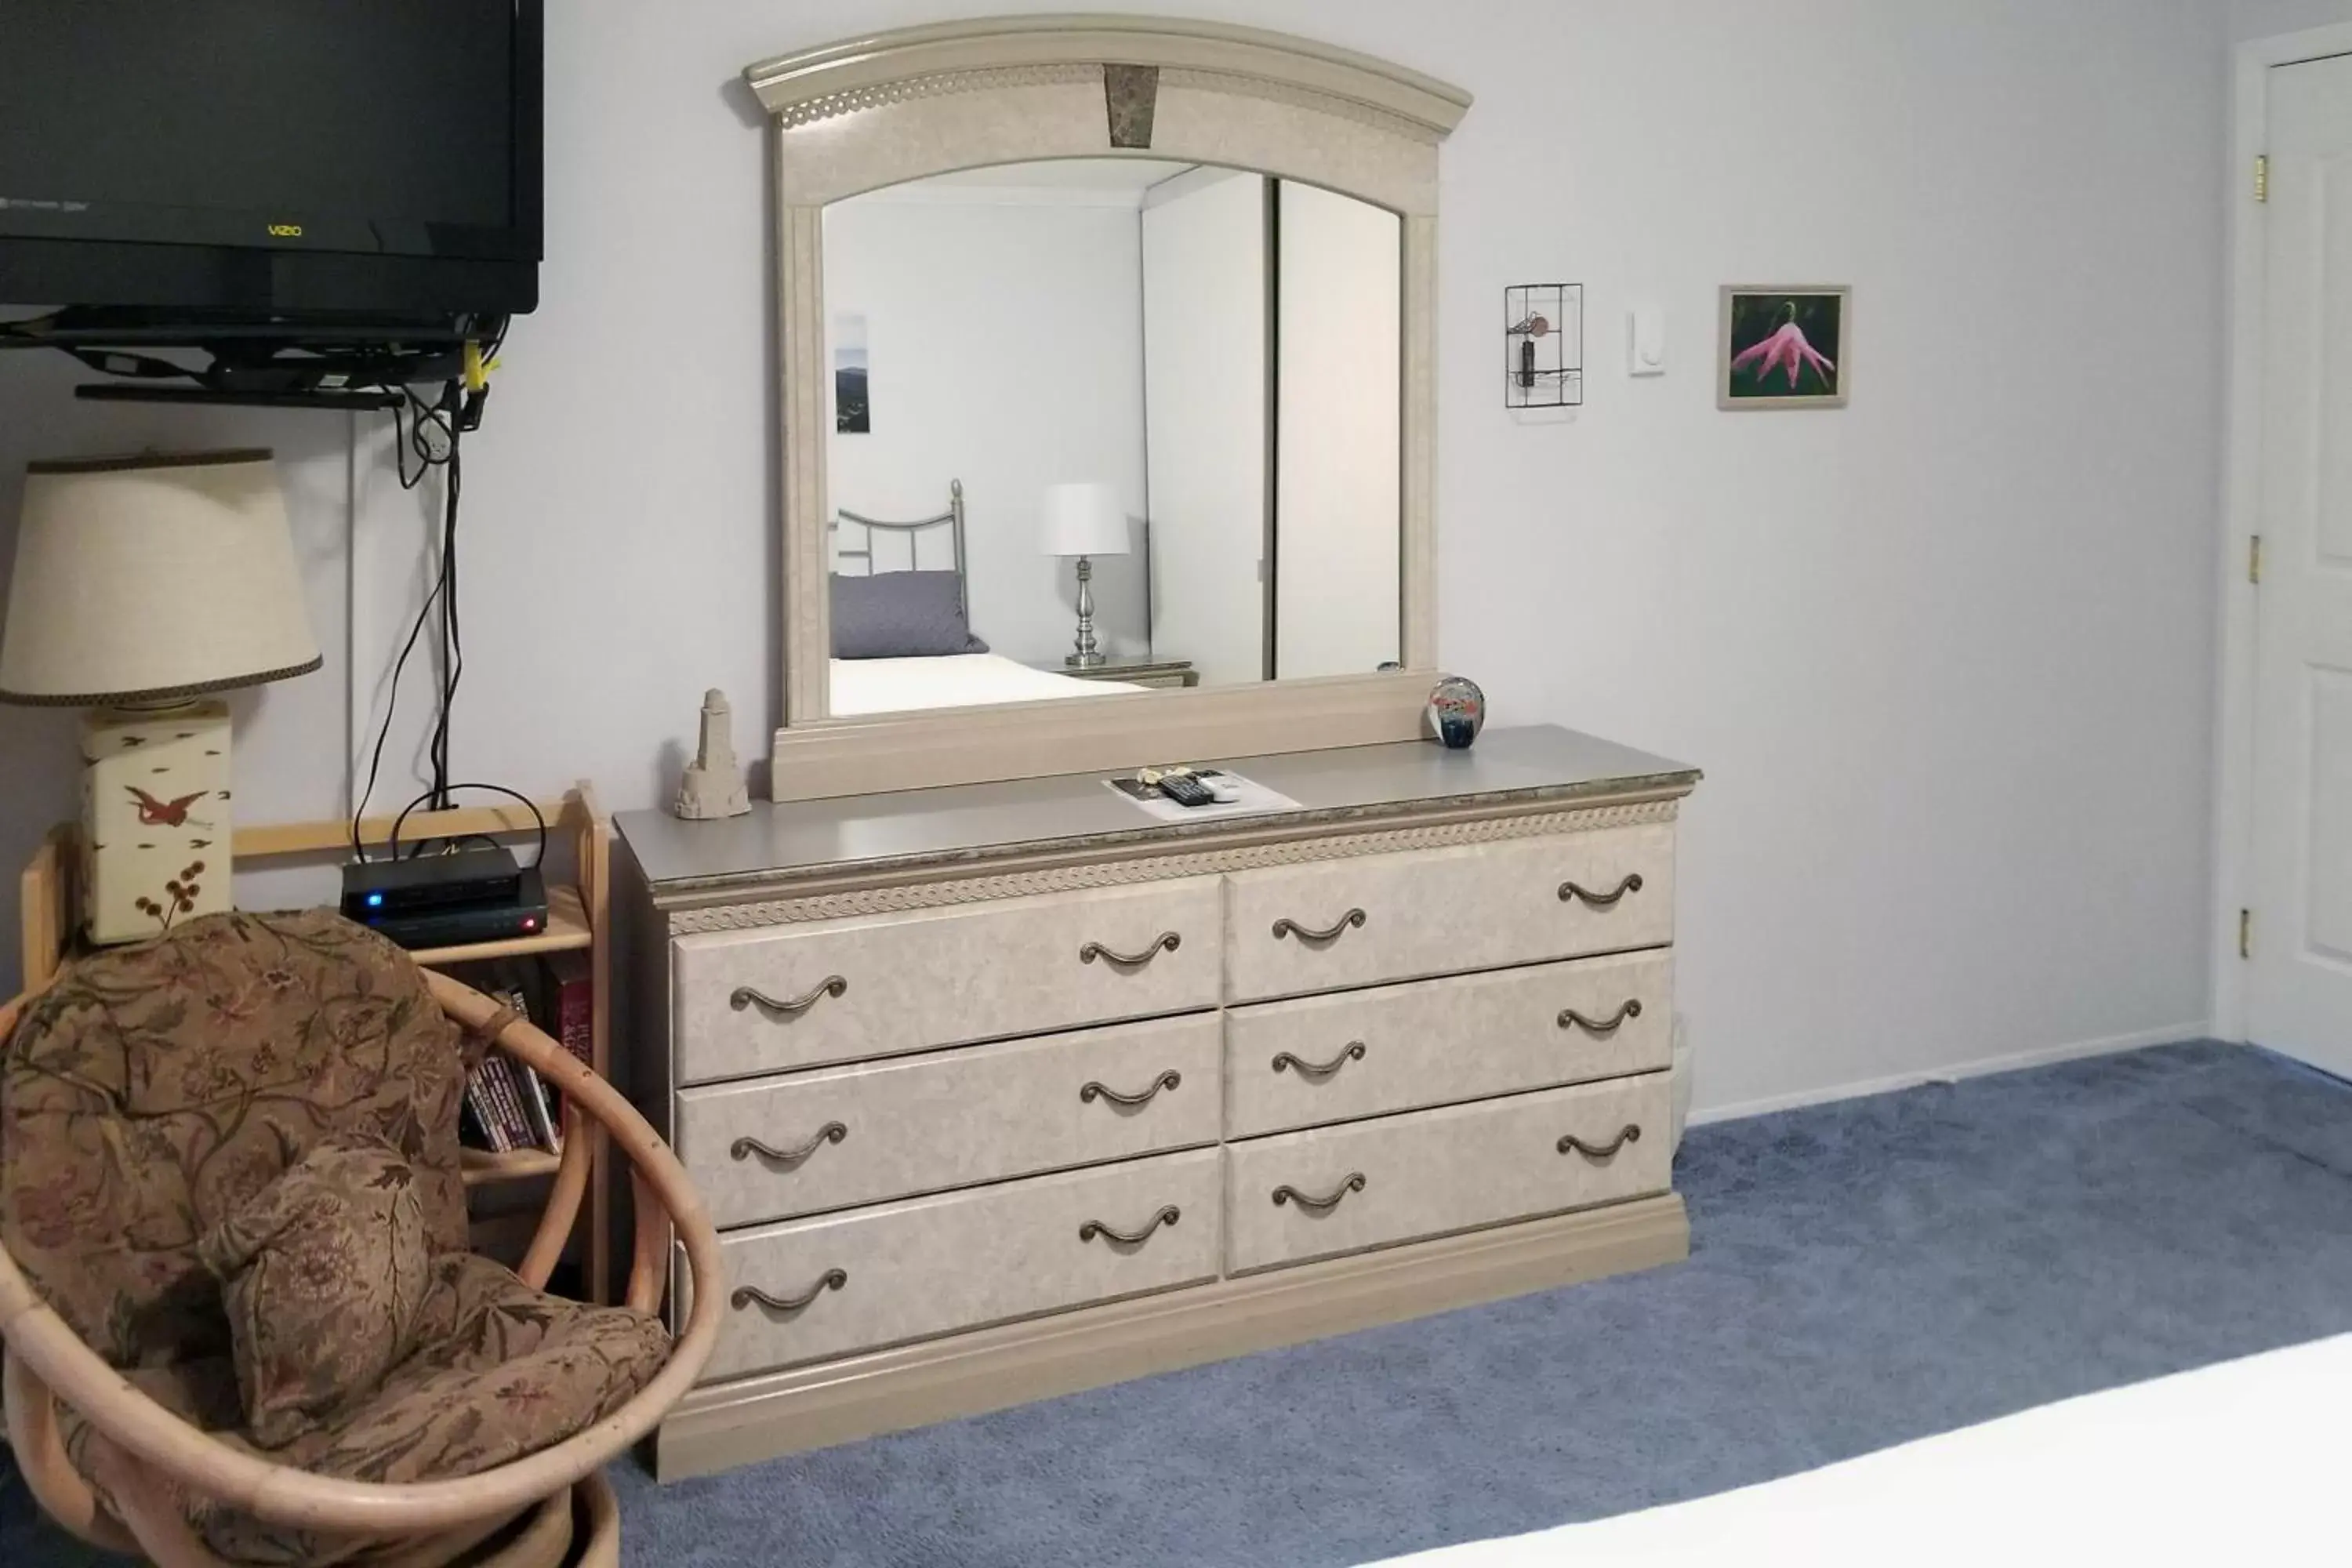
[(1004, 1091)]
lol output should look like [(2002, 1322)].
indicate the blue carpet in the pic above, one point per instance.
[(1862, 1274)]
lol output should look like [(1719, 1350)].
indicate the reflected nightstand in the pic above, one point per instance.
[(1134, 671)]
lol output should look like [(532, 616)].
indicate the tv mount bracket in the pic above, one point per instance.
[(335, 365)]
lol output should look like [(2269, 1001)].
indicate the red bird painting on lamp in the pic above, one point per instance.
[(153, 813)]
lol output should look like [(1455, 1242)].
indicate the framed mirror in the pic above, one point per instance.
[(1105, 397)]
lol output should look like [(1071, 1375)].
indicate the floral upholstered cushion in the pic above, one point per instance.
[(156, 1089), (501, 1371), (323, 1274)]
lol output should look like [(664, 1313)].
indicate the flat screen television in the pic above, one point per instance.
[(223, 161)]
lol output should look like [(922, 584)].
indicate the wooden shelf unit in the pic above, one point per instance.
[(579, 920), (485, 1169), (568, 930)]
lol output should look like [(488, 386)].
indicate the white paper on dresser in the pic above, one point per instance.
[(1255, 799)]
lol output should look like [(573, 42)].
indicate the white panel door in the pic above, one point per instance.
[(1205, 369), (1338, 495), (2300, 993)]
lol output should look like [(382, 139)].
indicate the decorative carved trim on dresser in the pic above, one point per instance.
[(833, 105), (1003, 1090), (1031, 50), (1076, 875)]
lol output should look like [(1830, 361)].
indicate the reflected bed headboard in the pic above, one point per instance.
[(951, 519)]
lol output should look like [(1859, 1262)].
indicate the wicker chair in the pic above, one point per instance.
[(148, 1089)]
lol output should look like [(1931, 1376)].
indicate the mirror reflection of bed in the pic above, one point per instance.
[(902, 634), (1179, 380)]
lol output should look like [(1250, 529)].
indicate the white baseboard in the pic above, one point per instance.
[(1983, 1067)]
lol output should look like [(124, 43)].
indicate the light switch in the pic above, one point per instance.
[(1645, 341)]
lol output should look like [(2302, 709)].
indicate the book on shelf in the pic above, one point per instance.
[(571, 997), (545, 1130), (511, 1128), (507, 1106), (480, 1127), (519, 986)]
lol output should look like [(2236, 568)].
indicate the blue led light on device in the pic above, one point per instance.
[(375, 901)]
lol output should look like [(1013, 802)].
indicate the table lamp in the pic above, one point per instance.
[(1085, 521), (142, 587)]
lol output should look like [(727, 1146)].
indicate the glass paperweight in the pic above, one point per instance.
[(1457, 710)]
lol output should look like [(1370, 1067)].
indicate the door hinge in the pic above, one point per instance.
[(2255, 560), (2262, 178), (2246, 934)]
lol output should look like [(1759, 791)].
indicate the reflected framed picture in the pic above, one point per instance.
[(852, 416), (1785, 347)]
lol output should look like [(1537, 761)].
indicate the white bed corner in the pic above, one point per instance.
[(956, 680), (2241, 1462)]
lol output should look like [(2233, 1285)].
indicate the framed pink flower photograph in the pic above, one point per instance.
[(1785, 347)]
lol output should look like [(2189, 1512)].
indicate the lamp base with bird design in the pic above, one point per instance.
[(154, 819)]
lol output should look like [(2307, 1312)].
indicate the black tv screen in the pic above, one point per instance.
[(279, 157)]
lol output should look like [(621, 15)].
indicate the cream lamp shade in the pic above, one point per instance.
[(1083, 520), (153, 580)]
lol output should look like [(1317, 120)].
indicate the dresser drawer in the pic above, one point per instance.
[(1302, 1195), (1430, 1042), (745, 1003), (774, 1148), (1292, 929), (932, 1265)]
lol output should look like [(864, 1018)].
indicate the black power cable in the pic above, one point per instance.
[(392, 840), (445, 417), (453, 648)]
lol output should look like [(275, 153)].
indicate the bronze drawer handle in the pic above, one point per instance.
[(1569, 1019), (1288, 927), (1166, 942), (1284, 1060), (745, 1295), (1571, 891), (1096, 1091), (1095, 1228), (1290, 1195), (1631, 1134), (744, 1148), (832, 985)]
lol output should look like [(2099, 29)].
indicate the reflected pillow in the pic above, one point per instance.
[(900, 615)]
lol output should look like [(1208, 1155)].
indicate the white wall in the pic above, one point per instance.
[(1945, 656), (1005, 336), (2270, 19), (1338, 493)]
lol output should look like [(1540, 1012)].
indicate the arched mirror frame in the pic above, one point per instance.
[(868, 112)]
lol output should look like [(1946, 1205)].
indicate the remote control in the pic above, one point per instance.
[(1185, 790)]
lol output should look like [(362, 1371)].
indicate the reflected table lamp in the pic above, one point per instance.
[(1085, 521), (143, 588)]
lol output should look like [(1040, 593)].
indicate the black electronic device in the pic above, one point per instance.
[(462, 925), (355, 171), (445, 900), (394, 885), (1185, 790)]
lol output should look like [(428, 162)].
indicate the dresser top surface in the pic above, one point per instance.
[(962, 823)]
